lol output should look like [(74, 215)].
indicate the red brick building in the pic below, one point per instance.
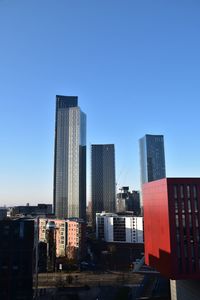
[(171, 226)]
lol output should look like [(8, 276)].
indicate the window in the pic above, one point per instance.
[(195, 205), (195, 191), (192, 250), (197, 234), (187, 265), (193, 265), (183, 220), (176, 206), (177, 221), (183, 205), (189, 205), (177, 236), (175, 192), (190, 220), (182, 191), (188, 191), (185, 250), (179, 250), (196, 221)]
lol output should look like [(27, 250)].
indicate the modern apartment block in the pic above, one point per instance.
[(69, 236), (119, 228), (172, 227), (69, 159), (152, 158), (103, 179), (18, 258)]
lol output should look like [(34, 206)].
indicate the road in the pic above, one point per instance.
[(76, 279)]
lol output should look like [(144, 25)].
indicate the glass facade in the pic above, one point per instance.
[(69, 159), (152, 158), (103, 178)]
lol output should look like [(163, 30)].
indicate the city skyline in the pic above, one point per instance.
[(134, 66)]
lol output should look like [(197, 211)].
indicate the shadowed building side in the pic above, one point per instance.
[(103, 179)]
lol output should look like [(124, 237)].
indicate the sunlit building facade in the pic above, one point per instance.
[(69, 159), (69, 236), (119, 228)]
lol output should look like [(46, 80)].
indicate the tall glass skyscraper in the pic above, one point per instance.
[(69, 159), (103, 178), (152, 158)]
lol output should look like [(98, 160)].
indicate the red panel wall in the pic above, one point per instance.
[(156, 226), (172, 247)]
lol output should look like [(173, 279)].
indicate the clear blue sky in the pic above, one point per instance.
[(135, 66)]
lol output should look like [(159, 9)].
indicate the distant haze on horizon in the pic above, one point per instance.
[(134, 66)]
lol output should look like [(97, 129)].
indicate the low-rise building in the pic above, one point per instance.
[(40, 209), (119, 228), (69, 236)]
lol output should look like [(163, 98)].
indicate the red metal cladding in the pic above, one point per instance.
[(171, 226)]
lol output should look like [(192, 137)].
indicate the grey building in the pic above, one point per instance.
[(69, 159), (103, 178), (40, 209), (152, 158), (128, 201)]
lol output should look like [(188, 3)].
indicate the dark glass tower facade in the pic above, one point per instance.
[(69, 159), (152, 158), (103, 178), (18, 257)]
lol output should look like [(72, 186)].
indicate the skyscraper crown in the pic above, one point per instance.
[(66, 101)]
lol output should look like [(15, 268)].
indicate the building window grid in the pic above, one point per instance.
[(186, 211), (119, 230), (195, 219)]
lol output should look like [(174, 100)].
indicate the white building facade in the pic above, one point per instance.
[(119, 228)]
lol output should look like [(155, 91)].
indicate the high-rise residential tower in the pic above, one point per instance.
[(69, 159), (152, 158), (103, 178)]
